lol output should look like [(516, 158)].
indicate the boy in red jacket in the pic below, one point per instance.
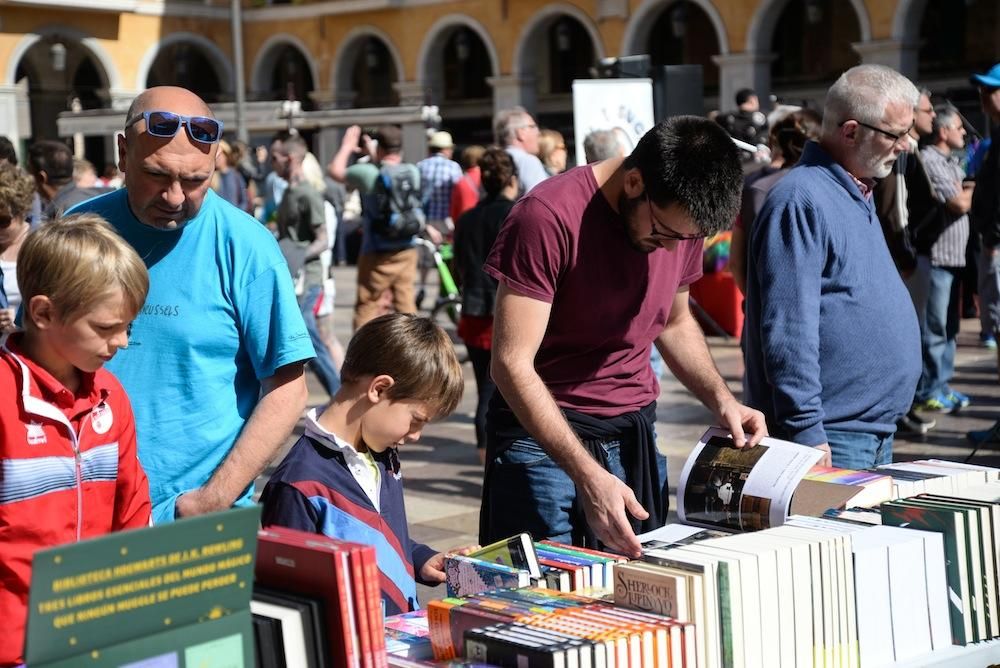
[(68, 466)]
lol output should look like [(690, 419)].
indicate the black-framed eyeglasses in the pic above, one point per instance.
[(891, 135), (166, 124), (669, 235)]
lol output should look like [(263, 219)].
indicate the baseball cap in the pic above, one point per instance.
[(440, 139), (991, 79)]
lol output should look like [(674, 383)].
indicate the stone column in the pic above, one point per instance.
[(892, 53), (743, 70), (121, 98), (510, 91)]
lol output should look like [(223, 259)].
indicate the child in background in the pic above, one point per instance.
[(342, 478), (67, 436)]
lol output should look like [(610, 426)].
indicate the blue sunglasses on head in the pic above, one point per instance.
[(166, 124)]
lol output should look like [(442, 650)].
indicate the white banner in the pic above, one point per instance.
[(624, 106)]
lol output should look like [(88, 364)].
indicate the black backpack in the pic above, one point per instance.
[(398, 212)]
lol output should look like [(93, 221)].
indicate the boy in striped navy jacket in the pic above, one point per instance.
[(342, 478), (67, 436)]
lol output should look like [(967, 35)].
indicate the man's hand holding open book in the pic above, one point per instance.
[(741, 420)]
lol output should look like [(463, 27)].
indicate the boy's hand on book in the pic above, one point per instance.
[(747, 425), (826, 459), (606, 500), (433, 569), (467, 549)]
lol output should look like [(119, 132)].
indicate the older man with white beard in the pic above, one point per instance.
[(832, 343)]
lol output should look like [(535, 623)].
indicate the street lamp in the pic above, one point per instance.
[(57, 56), (290, 108)]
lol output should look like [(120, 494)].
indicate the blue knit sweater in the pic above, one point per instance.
[(831, 336)]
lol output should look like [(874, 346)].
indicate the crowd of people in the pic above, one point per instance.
[(203, 286)]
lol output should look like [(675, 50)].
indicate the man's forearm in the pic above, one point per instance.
[(685, 351), (265, 432), (538, 413), (338, 165)]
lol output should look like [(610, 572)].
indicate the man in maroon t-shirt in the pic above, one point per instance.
[(593, 267)]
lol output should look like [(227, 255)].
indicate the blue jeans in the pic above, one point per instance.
[(530, 492), (938, 326), (989, 290), (859, 450), (322, 365)]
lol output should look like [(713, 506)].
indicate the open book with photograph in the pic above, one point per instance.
[(741, 489)]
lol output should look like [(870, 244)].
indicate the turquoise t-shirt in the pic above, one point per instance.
[(221, 314)]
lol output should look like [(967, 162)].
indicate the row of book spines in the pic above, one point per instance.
[(448, 619), (587, 569), (973, 595), (633, 639)]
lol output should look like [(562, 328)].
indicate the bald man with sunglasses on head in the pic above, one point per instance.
[(214, 366)]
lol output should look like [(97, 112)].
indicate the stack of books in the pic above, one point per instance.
[(407, 636), (934, 476), (970, 529), (543, 627), (518, 562), (317, 602)]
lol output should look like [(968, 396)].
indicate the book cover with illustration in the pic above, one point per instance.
[(465, 575)]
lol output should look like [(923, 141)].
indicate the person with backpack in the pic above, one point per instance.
[(392, 218)]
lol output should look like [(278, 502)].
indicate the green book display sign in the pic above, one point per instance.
[(171, 596)]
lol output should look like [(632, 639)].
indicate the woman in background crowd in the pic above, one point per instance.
[(17, 189), (475, 233), (787, 139), (552, 151), (468, 190), (228, 181)]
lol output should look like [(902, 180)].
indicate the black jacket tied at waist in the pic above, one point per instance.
[(638, 455)]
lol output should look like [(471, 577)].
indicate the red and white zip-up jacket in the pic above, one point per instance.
[(68, 471)]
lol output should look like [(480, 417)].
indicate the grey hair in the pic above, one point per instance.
[(944, 115), (602, 145), (862, 93), (507, 122)]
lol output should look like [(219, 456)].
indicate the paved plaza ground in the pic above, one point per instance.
[(444, 479)]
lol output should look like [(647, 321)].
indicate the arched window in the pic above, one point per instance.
[(812, 41), (186, 65), (683, 35), (466, 66), (373, 75), (570, 54), (959, 37), (291, 77)]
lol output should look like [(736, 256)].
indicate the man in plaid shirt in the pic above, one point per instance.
[(439, 174)]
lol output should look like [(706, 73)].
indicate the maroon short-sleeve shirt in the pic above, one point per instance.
[(563, 244)]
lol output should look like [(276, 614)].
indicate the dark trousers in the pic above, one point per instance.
[(480, 358)]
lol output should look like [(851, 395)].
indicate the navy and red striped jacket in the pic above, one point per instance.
[(313, 490)]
